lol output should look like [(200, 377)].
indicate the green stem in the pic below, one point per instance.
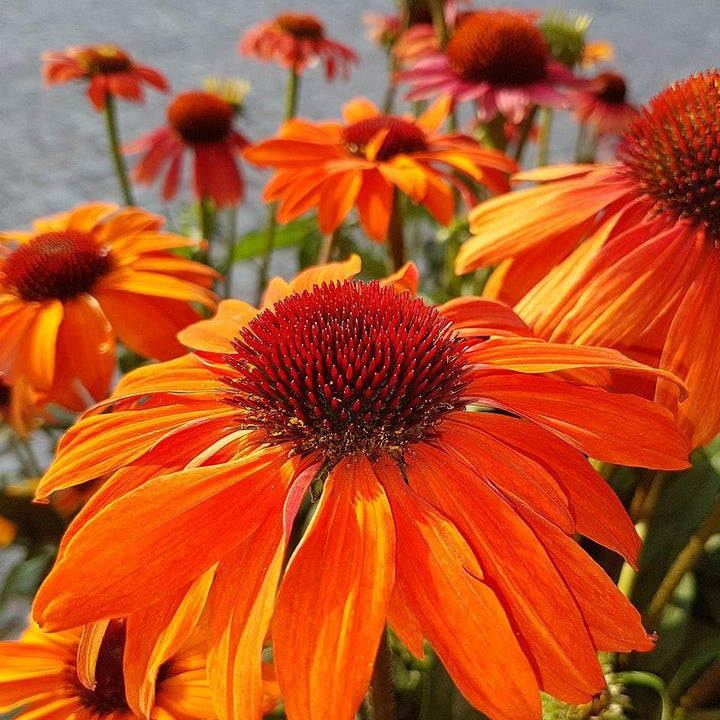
[(206, 225), (231, 242), (525, 129), (684, 562), (327, 245), (396, 236), (438, 19), (380, 700), (543, 141), (635, 677), (494, 133), (391, 90), (642, 509), (26, 455), (114, 141), (586, 145), (292, 96)]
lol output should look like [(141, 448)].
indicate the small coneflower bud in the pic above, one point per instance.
[(565, 33)]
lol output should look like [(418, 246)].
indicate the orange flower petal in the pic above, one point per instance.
[(471, 633), (168, 544), (339, 579), (359, 109), (374, 205), (478, 317), (214, 335)]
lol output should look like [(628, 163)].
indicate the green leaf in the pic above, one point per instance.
[(24, 579), (293, 234), (684, 502)]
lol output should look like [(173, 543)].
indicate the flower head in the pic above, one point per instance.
[(202, 123), (641, 238), (40, 676), (335, 166), (603, 105), (362, 394), (500, 59), (82, 278), (296, 41), (109, 70)]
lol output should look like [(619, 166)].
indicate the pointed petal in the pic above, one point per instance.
[(334, 597), (115, 565), (460, 615), (549, 627), (612, 427)]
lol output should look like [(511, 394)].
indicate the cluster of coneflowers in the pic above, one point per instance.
[(315, 505)]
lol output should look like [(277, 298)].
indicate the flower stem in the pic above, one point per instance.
[(327, 245), (525, 129), (231, 242), (25, 454), (380, 700), (684, 562), (543, 141), (586, 145), (396, 236), (114, 140), (206, 224), (292, 95), (438, 18)]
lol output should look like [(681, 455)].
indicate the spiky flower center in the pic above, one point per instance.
[(349, 367), (672, 150), (108, 694), (105, 59), (301, 26), (402, 136), (200, 117), (56, 265), (610, 88), (502, 48)]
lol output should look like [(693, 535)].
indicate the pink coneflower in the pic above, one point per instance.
[(202, 123), (497, 58), (603, 105), (296, 41)]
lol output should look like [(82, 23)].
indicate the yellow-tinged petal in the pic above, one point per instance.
[(215, 335), (359, 109), (435, 115)]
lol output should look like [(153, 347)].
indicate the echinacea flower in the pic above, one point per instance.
[(645, 278), (202, 123), (603, 105), (334, 166), (39, 677), (500, 60), (295, 41), (109, 70), (449, 524), (82, 278)]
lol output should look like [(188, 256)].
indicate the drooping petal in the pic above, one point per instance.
[(545, 617), (339, 580), (115, 565), (460, 614)]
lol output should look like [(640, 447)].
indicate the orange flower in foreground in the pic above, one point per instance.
[(109, 69), (646, 278), (296, 41), (449, 524), (201, 122), (82, 278), (334, 167), (39, 675)]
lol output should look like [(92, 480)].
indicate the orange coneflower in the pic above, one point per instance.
[(201, 122), (334, 166), (295, 41), (109, 69), (646, 278), (450, 524), (39, 675), (83, 277)]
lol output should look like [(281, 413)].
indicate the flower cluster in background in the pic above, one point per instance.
[(462, 464)]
